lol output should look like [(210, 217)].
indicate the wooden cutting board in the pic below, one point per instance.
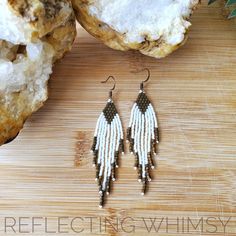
[(46, 172)]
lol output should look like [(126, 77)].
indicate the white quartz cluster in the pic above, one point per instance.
[(19, 70), (137, 19)]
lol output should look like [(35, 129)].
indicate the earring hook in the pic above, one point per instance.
[(114, 86), (146, 80)]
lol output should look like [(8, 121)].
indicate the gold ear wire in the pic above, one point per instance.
[(114, 86), (146, 80)]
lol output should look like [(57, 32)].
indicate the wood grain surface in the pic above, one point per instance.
[(47, 171)]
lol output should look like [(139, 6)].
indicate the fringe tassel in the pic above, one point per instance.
[(107, 146), (143, 136)]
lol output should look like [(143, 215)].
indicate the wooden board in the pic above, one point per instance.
[(46, 172)]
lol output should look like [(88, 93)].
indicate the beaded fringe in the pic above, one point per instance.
[(107, 146), (142, 135)]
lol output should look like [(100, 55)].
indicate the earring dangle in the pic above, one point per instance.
[(107, 145), (143, 135)]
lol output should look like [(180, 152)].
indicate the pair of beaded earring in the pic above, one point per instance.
[(108, 141)]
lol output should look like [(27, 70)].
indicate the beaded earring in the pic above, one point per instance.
[(143, 135), (107, 145)]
